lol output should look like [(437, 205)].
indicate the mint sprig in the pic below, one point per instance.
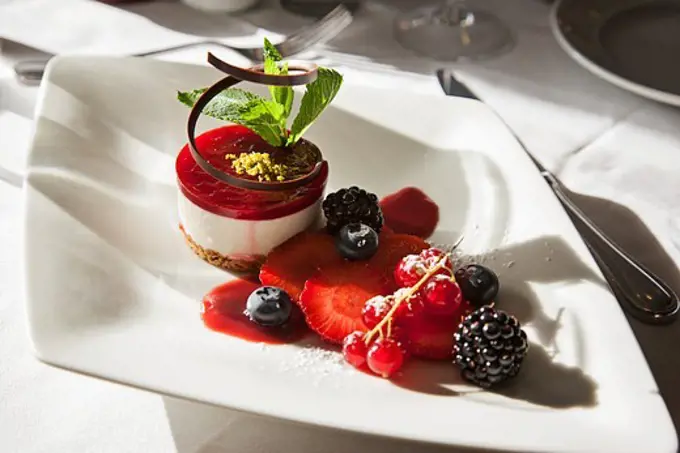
[(269, 118), (245, 108)]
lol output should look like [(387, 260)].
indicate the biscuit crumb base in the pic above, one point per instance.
[(241, 266)]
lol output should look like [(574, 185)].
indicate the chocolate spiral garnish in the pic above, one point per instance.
[(304, 74)]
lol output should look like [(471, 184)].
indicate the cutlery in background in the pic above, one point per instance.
[(641, 293), (30, 72)]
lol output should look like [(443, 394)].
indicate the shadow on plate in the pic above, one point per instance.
[(544, 382), (542, 260), (541, 382)]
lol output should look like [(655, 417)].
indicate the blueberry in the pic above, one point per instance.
[(269, 306), (357, 241), (478, 283)]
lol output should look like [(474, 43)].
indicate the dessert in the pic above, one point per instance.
[(366, 280), (247, 187), (233, 227)]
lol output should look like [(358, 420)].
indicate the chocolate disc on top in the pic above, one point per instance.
[(303, 74)]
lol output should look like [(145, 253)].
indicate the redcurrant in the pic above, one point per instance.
[(354, 349), (409, 271), (375, 310), (385, 357), (441, 295)]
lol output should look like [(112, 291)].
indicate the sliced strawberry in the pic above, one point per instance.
[(392, 249), (333, 299), (290, 264), (431, 336), (410, 211)]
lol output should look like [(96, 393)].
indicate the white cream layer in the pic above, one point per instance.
[(235, 237)]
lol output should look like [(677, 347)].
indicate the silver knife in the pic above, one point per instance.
[(641, 293)]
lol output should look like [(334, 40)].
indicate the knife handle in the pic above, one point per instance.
[(647, 297)]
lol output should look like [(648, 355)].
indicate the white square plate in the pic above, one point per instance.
[(113, 292)]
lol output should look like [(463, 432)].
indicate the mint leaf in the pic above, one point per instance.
[(271, 52), (242, 107), (264, 118), (282, 95), (224, 106), (318, 96)]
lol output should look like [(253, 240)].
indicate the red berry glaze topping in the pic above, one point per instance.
[(223, 199)]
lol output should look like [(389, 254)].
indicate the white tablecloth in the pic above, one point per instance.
[(619, 151)]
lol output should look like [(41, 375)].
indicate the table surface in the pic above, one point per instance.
[(615, 150)]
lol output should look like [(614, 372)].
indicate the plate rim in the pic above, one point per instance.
[(605, 74)]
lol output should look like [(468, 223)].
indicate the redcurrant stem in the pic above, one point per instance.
[(410, 292)]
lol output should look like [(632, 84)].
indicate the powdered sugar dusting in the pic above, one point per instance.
[(461, 259), (378, 304), (316, 364), (414, 263)]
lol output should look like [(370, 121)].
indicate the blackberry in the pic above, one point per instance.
[(489, 347), (352, 205)]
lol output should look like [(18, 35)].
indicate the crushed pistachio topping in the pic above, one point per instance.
[(260, 165)]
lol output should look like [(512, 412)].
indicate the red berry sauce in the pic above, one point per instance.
[(235, 202), (410, 211), (222, 311)]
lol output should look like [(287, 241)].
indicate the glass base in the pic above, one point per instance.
[(453, 33)]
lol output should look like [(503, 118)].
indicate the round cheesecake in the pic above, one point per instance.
[(233, 227)]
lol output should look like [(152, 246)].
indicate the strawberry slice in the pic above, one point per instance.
[(290, 264), (393, 247), (333, 299), (431, 336)]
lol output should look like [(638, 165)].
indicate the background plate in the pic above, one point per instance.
[(113, 292), (633, 44)]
